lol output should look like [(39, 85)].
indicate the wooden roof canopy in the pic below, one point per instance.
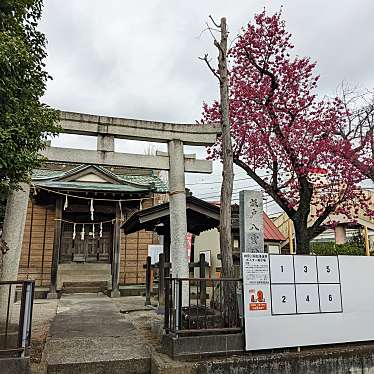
[(201, 216)]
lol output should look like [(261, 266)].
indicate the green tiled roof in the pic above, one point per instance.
[(38, 174), (135, 183), (160, 185), (88, 186)]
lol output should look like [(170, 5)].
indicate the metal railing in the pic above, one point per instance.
[(197, 306), (16, 318)]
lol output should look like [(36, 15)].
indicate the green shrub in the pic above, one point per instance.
[(332, 249)]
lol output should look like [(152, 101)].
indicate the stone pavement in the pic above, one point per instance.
[(89, 334)]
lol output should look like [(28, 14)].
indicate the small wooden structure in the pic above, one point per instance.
[(201, 216), (72, 231)]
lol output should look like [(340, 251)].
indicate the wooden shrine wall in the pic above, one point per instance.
[(37, 246), (134, 252)]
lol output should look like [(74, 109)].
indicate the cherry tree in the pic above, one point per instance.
[(282, 133)]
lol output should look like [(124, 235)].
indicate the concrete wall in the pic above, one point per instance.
[(357, 359)]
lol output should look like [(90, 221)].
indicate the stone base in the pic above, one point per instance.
[(115, 293), (132, 290), (52, 295), (202, 346)]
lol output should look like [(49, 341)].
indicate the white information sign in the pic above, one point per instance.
[(154, 250), (292, 300)]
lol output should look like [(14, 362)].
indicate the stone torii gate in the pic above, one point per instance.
[(107, 129)]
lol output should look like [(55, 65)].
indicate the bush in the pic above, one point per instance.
[(332, 249)]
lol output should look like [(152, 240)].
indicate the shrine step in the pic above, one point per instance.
[(84, 287)]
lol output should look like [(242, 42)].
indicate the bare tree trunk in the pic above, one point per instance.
[(229, 290)]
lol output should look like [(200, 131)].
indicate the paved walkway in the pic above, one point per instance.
[(96, 334)]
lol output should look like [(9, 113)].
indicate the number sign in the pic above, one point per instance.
[(313, 299)]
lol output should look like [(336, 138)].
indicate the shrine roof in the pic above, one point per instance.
[(201, 216), (115, 181), (91, 186)]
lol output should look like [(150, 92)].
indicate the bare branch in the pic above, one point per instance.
[(214, 22), (205, 58)]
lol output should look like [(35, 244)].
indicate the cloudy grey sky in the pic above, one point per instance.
[(139, 59)]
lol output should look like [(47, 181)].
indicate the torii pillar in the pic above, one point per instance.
[(177, 204)]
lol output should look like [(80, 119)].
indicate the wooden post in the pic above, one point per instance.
[(161, 282), (56, 248), (202, 282), (367, 246), (148, 282), (116, 261), (167, 251), (290, 236), (152, 280)]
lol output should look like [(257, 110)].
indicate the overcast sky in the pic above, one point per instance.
[(139, 59)]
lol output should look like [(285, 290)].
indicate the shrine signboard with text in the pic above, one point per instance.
[(251, 222)]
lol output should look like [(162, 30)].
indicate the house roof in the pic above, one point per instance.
[(271, 232), (116, 182)]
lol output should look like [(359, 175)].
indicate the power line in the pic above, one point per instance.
[(220, 181), (216, 182), (234, 190)]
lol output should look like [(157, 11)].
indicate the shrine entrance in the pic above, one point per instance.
[(94, 245)]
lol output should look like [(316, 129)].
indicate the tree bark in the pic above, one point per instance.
[(302, 238), (229, 290)]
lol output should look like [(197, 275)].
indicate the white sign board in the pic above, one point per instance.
[(292, 301), (207, 256), (154, 250)]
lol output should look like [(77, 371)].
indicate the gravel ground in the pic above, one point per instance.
[(43, 313)]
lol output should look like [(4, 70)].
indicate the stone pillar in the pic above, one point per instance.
[(340, 234), (178, 219), (13, 228), (251, 221), (56, 248), (105, 143), (116, 263)]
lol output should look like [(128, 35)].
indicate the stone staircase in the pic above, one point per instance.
[(84, 278), (84, 287)]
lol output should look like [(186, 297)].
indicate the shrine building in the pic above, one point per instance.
[(72, 233)]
